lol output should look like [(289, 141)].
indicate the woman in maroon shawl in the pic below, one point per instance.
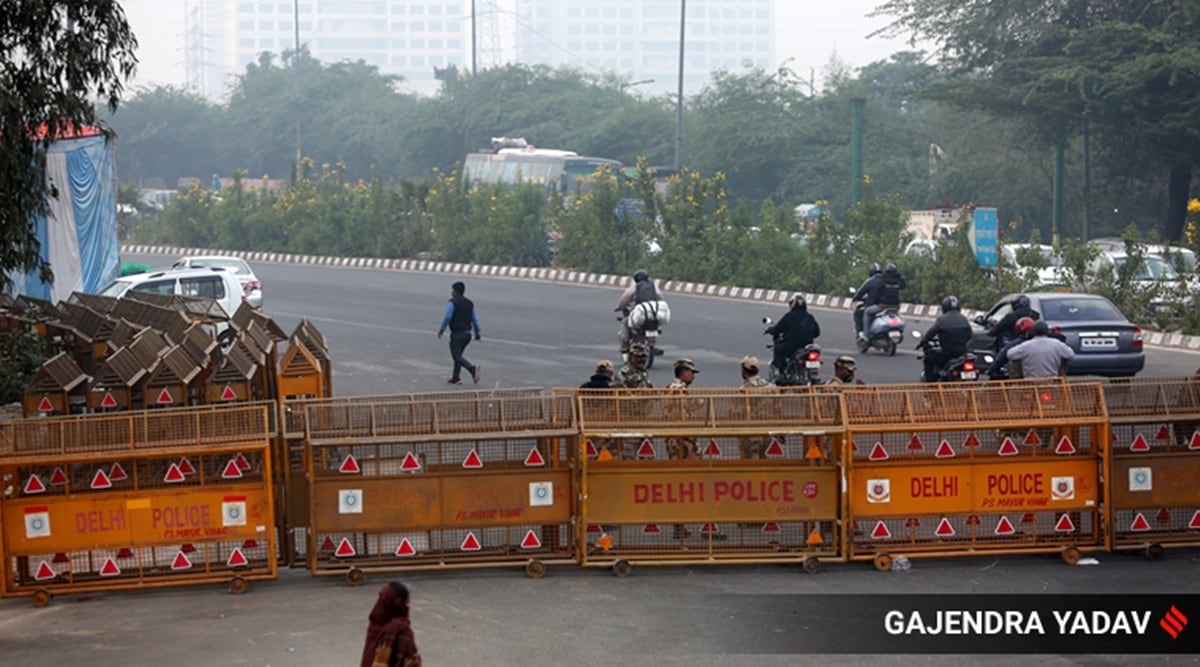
[(390, 627)]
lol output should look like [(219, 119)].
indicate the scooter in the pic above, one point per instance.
[(963, 368), (884, 332), (803, 367)]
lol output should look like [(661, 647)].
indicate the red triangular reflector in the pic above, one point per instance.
[(186, 467), (470, 543), (712, 449), (646, 449), (45, 405), (1008, 448), (108, 402), (775, 448), (44, 572), (944, 450), (914, 444), (164, 397), (1195, 443), (174, 474), (1163, 433), (349, 465), (181, 562), (344, 549), (973, 520), (109, 569), (912, 522), (971, 440), (58, 477), (1195, 522), (187, 548), (1139, 444), (472, 460), (1065, 525), (594, 528), (328, 544), (228, 394), (1005, 527), (410, 463), (853, 447), (241, 462), (1032, 439), (881, 531), (236, 559), (592, 452), (531, 541), (61, 557), (231, 471), (1027, 517), (405, 548), (34, 485), (250, 544), (1139, 523), (1163, 516), (117, 473), (944, 529), (535, 458), (101, 481), (125, 552), (651, 528), (1065, 446), (770, 527), (710, 528), (878, 453)]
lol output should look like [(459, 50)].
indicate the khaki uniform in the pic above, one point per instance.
[(755, 447), (680, 448)]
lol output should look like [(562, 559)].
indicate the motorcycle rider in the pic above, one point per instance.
[(952, 331), (998, 369), (796, 329), (1043, 355), (641, 290), (867, 294), (886, 296), (1005, 331)]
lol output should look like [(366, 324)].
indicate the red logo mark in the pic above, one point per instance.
[(1173, 622), (810, 490)]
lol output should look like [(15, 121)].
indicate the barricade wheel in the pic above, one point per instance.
[(812, 564), (41, 597), (1154, 551), (1071, 555), (237, 585), (883, 562), (356, 577), (622, 568), (534, 569)]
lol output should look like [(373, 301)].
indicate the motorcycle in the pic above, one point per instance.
[(884, 332), (645, 323), (803, 367), (963, 368)]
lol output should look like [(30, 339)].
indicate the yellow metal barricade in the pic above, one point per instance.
[(136, 500), (959, 469), (710, 476), (1154, 488), (470, 480)]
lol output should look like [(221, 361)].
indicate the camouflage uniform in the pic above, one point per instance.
[(632, 378), (755, 447), (681, 448)]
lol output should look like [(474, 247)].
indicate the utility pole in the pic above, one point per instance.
[(856, 165), (296, 71), (679, 95), (474, 50)]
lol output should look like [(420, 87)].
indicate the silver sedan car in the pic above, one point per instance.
[(252, 290)]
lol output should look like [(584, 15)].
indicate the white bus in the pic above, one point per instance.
[(509, 164)]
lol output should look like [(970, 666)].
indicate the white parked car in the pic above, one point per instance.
[(217, 284), (251, 285), (1048, 276)]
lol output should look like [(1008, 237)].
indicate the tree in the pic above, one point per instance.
[(165, 133), (54, 57)]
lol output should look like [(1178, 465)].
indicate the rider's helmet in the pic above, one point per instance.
[(1040, 328), (640, 275), (950, 303), (874, 270), (1024, 325), (797, 301), (1020, 302), (891, 268)]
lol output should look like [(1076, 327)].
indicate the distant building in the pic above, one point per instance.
[(415, 38)]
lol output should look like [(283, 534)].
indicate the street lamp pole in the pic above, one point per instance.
[(296, 70), (679, 94)]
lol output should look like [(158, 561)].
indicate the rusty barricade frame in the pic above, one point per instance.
[(467, 480), (804, 427), (1154, 467), (957, 431), (43, 458)]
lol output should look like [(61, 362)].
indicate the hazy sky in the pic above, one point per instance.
[(808, 32)]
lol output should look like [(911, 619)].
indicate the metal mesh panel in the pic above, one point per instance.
[(1160, 436), (1153, 396), (424, 417), (901, 406), (295, 410), (1160, 524), (977, 443), (733, 540), (1000, 531), (394, 458), (640, 409), (482, 545), (744, 447)]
